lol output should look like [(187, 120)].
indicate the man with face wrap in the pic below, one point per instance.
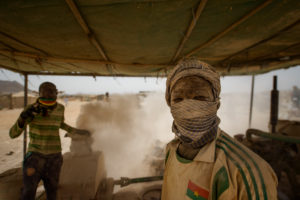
[(203, 162), (43, 160)]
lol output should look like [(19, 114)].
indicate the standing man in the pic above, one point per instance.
[(203, 162), (296, 97), (43, 160)]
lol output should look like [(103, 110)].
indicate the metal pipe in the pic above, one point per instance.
[(25, 104), (279, 137), (251, 100), (274, 106), (124, 181)]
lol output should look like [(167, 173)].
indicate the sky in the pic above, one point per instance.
[(287, 78)]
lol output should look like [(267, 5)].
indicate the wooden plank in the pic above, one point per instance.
[(72, 60)]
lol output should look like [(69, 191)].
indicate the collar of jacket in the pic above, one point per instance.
[(207, 152)]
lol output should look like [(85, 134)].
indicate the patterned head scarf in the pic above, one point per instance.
[(193, 67), (195, 122)]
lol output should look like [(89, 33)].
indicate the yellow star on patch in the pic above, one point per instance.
[(196, 193)]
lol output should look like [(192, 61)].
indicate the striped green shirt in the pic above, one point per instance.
[(44, 131)]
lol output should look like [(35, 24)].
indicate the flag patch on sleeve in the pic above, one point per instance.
[(195, 192)]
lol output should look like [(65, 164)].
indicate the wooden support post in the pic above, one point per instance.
[(251, 101), (25, 104), (11, 104)]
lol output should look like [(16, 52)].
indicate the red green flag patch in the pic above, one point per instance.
[(196, 193)]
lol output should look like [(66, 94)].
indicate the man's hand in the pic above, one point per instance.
[(83, 132), (30, 112), (78, 133)]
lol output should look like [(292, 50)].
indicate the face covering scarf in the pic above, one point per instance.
[(195, 122), (47, 102), (46, 105)]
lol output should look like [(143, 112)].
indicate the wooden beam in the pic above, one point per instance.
[(11, 69), (261, 41), (86, 28), (23, 43), (266, 61), (74, 73), (91, 71), (50, 58), (68, 69), (190, 28), (39, 63), (57, 66), (8, 46), (232, 26), (278, 52), (88, 74), (25, 105), (72, 60), (20, 61), (248, 66)]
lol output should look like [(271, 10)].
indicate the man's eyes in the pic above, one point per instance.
[(202, 98), (176, 100)]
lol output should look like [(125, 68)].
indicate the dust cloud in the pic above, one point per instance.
[(128, 129), (235, 109)]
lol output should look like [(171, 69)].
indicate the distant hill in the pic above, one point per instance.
[(7, 87)]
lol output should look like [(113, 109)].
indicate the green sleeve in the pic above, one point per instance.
[(65, 126), (220, 183), (15, 130)]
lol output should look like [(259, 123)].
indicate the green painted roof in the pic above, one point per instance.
[(147, 37)]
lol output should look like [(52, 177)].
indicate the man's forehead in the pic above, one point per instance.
[(194, 81), (48, 87), (191, 85)]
